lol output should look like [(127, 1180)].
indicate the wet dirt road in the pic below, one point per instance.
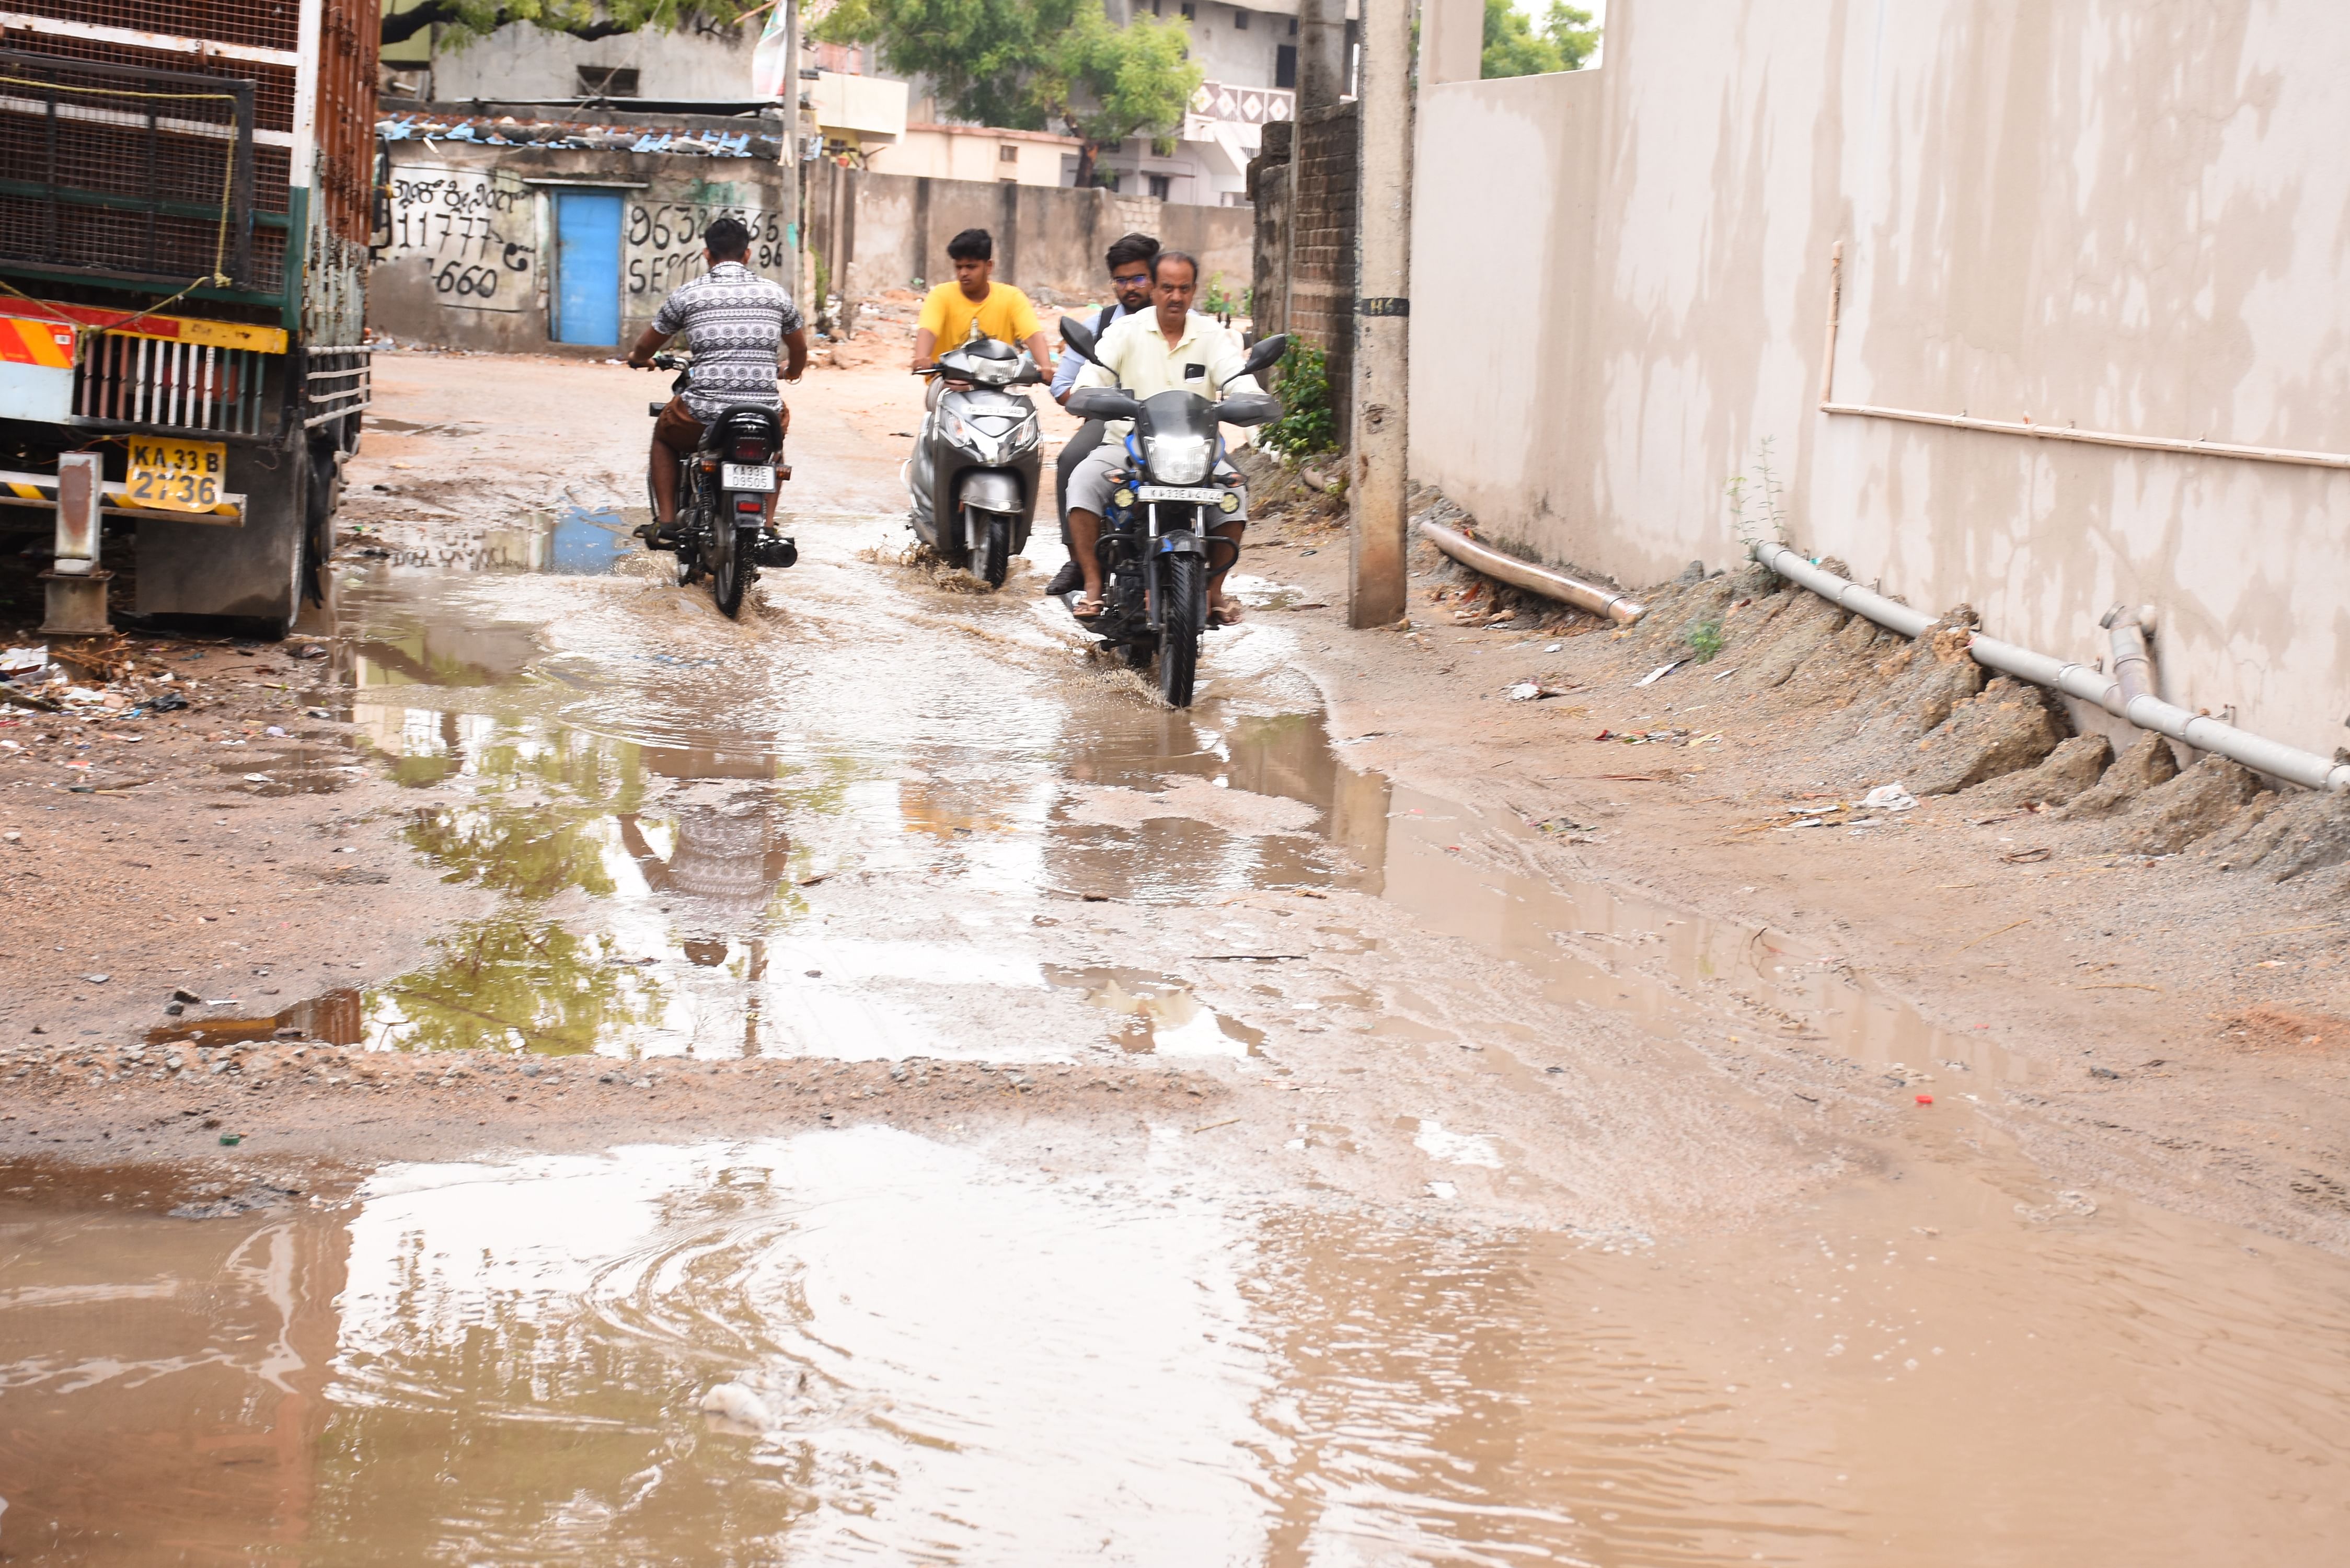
[(1490, 1238)]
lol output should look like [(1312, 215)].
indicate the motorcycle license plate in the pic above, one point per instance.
[(756, 476), (176, 475), (1206, 495)]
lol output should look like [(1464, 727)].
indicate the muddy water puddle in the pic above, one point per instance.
[(717, 794), (868, 1346)]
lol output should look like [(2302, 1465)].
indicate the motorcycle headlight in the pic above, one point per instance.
[(1178, 460)]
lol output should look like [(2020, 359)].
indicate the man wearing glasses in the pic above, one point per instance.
[(1129, 273)]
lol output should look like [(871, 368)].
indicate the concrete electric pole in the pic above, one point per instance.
[(1376, 574), (1321, 53)]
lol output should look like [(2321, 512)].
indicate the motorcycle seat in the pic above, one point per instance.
[(746, 422)]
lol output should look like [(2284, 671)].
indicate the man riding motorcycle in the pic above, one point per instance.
[(1002, 311), (1166, 349), (1129, 258), (739, 325)]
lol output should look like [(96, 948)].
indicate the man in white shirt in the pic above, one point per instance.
[(1129, 258), (1166, 350)]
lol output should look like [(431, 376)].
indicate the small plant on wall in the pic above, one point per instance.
[(1757, 509), (1307, 425)]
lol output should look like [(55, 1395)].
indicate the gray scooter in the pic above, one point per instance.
[(973, 474)]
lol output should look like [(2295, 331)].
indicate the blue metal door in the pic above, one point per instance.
[(588, 268)]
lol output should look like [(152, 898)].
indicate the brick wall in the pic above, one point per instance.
[(1268, 190), (1322, 247)]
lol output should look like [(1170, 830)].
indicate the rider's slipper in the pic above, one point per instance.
[(1079, 611), (1224, 616)]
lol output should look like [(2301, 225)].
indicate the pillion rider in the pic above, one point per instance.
[(739, 325), (1129, 259), (1166, 349), (1002, 311)]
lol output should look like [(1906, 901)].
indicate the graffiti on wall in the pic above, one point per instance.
[(475, 230), (663, 244)]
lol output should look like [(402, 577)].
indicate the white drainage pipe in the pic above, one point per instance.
[(1532, 578), (2090, 685)]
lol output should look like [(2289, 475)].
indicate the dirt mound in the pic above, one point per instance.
[(2147, 763), (2007, 728), (2064, 773), (2267, 1027), (2195, 805)]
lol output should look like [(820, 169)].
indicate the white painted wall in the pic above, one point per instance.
[(2123, 215)]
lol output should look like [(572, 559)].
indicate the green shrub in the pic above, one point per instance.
[(1301, 381), (1704, 639)]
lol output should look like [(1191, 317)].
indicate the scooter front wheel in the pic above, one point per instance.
[(993, 561)]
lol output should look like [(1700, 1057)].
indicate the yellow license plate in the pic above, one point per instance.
[(177, 475)]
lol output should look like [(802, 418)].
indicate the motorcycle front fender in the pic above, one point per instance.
[(992, 489)]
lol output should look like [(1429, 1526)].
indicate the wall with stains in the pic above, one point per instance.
[(2130, 215), (463, 258)]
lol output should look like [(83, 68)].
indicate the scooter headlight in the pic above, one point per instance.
[(1178, 460)]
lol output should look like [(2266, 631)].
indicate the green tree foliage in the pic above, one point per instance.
[(1513, 48), (467, 19), (1034, 65)]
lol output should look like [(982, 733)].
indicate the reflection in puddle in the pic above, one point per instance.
[(867, 1345), (1161, 1016), (571, 541)]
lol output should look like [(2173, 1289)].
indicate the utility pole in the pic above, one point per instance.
[(1375, 574), (1321, 53)]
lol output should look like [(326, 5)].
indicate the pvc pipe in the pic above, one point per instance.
[(1532, 578), (2146, 711), (1843, 592), (2133, 660)]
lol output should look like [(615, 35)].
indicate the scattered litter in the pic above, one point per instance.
[(15, 662), (1528, 691), (275, 731), (97, 978), (2027, 857), (258, 778), (1726, 674), (1889, 797), (1925, 1099), (1660, 672), (168, 702)]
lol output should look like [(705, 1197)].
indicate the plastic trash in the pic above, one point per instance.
[(1895, 796), (1660, 672)]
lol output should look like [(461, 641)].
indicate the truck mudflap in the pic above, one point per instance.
[(256, 572)]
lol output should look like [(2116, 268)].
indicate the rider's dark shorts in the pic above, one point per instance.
[(679, 431)]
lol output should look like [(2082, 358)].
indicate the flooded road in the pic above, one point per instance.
[(1512, 1247)]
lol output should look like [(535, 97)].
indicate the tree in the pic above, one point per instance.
[(1513, 48), (1034, 65), (468, 20)]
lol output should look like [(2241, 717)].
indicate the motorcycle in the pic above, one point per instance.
[(973, 474), (721, 498), (1156, 550)]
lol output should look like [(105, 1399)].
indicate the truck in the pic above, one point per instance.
[(187, 194)]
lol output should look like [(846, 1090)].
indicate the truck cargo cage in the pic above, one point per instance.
[(200, 387), (125, 170)]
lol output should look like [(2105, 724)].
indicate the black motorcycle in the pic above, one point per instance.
[(1156, 549), (721, 498), (973, 474)]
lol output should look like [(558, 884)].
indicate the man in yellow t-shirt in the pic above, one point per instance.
[(1002, 311)]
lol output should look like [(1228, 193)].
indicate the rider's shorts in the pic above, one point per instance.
[(1090, 486), (679, 431)]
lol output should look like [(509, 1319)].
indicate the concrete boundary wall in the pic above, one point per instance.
[(2108, 214), (879, 232)]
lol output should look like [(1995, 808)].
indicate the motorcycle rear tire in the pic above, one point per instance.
[(994, 561), (1178, 635), (729, 572)]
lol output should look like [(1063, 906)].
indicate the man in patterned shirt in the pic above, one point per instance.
[(739, 326)]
